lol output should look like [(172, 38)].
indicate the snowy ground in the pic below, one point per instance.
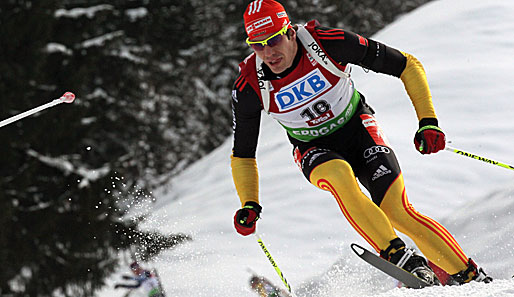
[(467, 50)]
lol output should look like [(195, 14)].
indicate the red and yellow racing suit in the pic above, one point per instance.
[(336, 138)]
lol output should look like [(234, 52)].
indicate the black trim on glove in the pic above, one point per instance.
[(428, 122), (255, 206)]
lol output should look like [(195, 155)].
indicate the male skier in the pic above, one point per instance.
[(265, 288), (298, 75), (142, 278)]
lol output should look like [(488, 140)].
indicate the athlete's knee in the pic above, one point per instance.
[(311, 158), (336, 168), (337, 173)]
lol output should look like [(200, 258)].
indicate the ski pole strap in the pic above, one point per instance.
[(273, 263), (476, 157)]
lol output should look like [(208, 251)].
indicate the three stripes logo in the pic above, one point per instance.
[(381, 171), (259, 24), (254, 7)]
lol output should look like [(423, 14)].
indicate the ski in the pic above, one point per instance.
[(407, 278)]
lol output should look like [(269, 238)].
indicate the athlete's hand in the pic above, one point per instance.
[(429, 138), (246, 218)]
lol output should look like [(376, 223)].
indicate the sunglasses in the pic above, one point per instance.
[(270, 41)]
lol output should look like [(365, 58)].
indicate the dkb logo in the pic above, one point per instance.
[(301, 90)]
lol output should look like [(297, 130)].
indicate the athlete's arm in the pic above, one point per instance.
[(415, 81), (347, 47), (246, 110), (130, 286)]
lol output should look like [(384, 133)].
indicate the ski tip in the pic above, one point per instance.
[(359, 250)]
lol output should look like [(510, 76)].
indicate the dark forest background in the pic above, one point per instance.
[(153, 81)]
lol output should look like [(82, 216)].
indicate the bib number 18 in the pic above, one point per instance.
[(317, 109)]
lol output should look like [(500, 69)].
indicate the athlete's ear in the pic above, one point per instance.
[(291, 34)]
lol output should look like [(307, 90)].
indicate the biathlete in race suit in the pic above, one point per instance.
[(297, 74), (265, 288), (142, 279)]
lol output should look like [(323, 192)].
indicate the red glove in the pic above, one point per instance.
[(429, 138), (246, 218)]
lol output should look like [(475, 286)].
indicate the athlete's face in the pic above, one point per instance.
[(137, 270), (280, 56)]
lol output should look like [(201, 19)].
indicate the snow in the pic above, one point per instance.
[(126, 53), (100, 40), (136, 13), (64, 164), (89, 12), (54, 47), (466, 49)]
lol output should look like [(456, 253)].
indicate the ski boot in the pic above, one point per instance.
[(472, 273), (410, 261)]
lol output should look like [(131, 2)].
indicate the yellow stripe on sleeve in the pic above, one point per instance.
[(246, 178), (415, 81)]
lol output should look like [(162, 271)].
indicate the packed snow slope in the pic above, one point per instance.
[(466, 48)]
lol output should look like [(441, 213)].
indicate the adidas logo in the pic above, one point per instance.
[(381, 171)]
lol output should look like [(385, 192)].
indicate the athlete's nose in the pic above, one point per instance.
[(268, 51)]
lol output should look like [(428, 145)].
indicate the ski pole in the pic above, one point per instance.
[(274, 264), (68, 97), (476, 157), (159, 282)]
